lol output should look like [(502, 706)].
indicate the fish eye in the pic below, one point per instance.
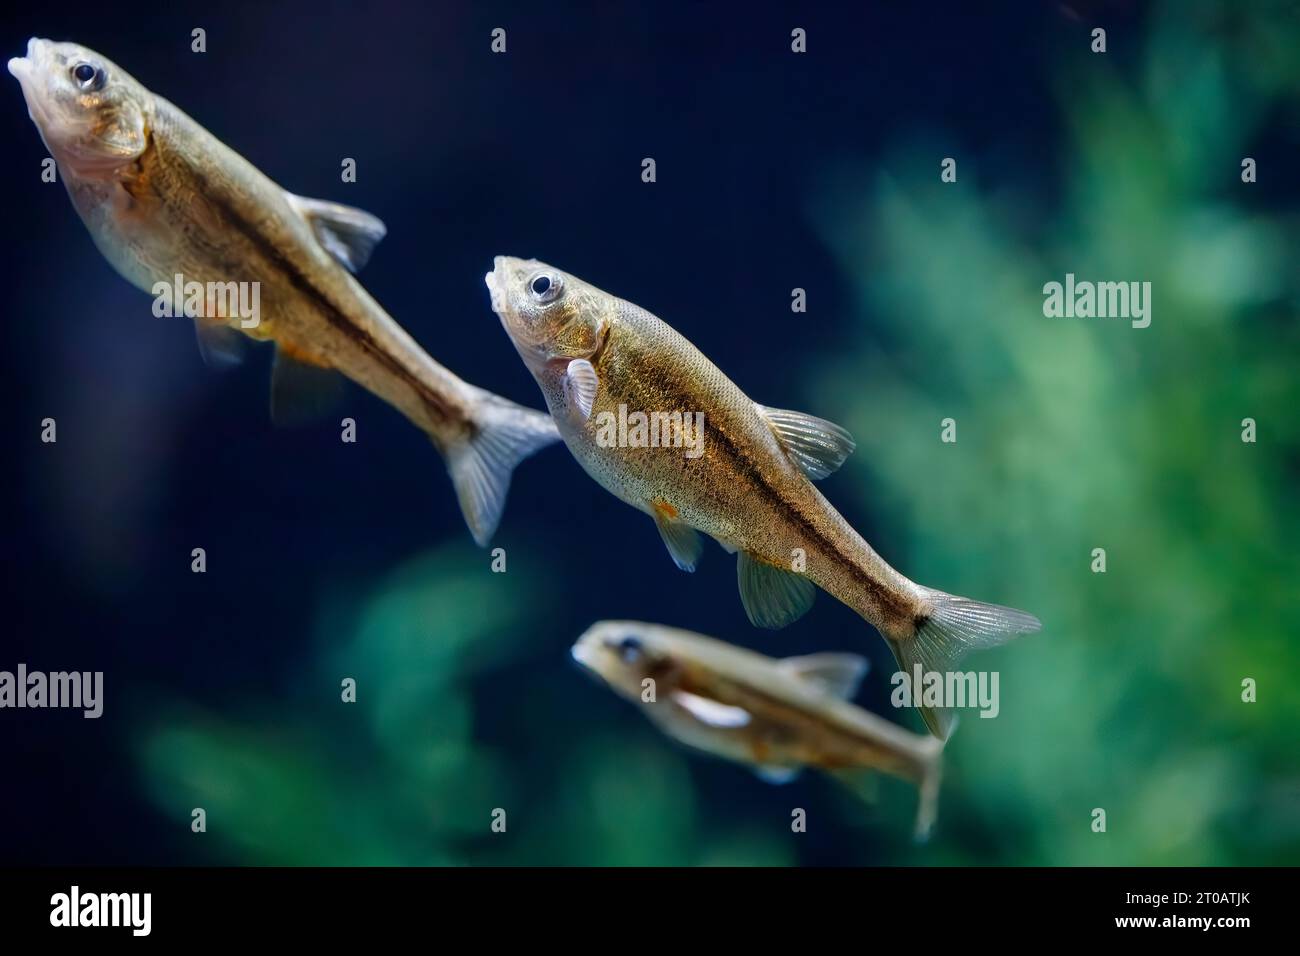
[(545, 287), (629, 649), (88, 77)]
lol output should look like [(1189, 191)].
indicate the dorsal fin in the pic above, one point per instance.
[(817, 446), (837, 674), (345, 232)]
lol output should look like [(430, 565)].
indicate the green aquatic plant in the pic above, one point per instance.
[(1075, 434)]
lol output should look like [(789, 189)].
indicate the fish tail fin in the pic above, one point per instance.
[(504, 435), (946, 632), (927, 801), (924, 770)]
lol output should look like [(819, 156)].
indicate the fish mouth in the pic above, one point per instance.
[(496, 285), (25, 70), (504, 271), (22, 67), (584, 648), (584, 657), (507, 274)]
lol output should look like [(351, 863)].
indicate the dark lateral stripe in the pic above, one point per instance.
[(885, 597), (335, 316), (778, 710)]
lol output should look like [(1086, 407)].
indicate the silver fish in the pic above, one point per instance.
[(744, 476), (163, 198), (777, 716)]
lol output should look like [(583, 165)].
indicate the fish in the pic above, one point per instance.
[(746, 479), (775, 716), (164, 199)]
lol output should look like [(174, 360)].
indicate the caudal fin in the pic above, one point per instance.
[(954, 626), (480, 468), (924, 769), (927, 801)]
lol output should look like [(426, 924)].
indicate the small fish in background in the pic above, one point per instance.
[(747, 481), (777, 716), (163, 199)]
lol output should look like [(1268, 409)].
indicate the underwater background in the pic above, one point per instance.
[(819, 171)]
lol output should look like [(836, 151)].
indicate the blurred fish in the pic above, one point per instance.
[(165, 200), (749, 487), (775, 715)]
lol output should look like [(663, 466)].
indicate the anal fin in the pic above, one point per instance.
[(862, 782), (301, 391)]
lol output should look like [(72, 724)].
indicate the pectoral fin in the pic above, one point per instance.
[(301, 391), (710, 711), (839, 675), (580, 384), (348, 234), (683, 542), (773, 597), (817, 446), (220, 345)]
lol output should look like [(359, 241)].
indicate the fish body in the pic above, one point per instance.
[(596, 356), (162, 198), (776, 716)]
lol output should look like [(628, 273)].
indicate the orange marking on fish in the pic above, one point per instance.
[(664, 509), (301, 355)]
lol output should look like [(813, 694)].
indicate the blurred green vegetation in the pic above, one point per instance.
[(399, 778), (1079, 433), (1073, 434)]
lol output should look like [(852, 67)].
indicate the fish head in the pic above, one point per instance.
[(92, 115), (625, 653), (552, 317)]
